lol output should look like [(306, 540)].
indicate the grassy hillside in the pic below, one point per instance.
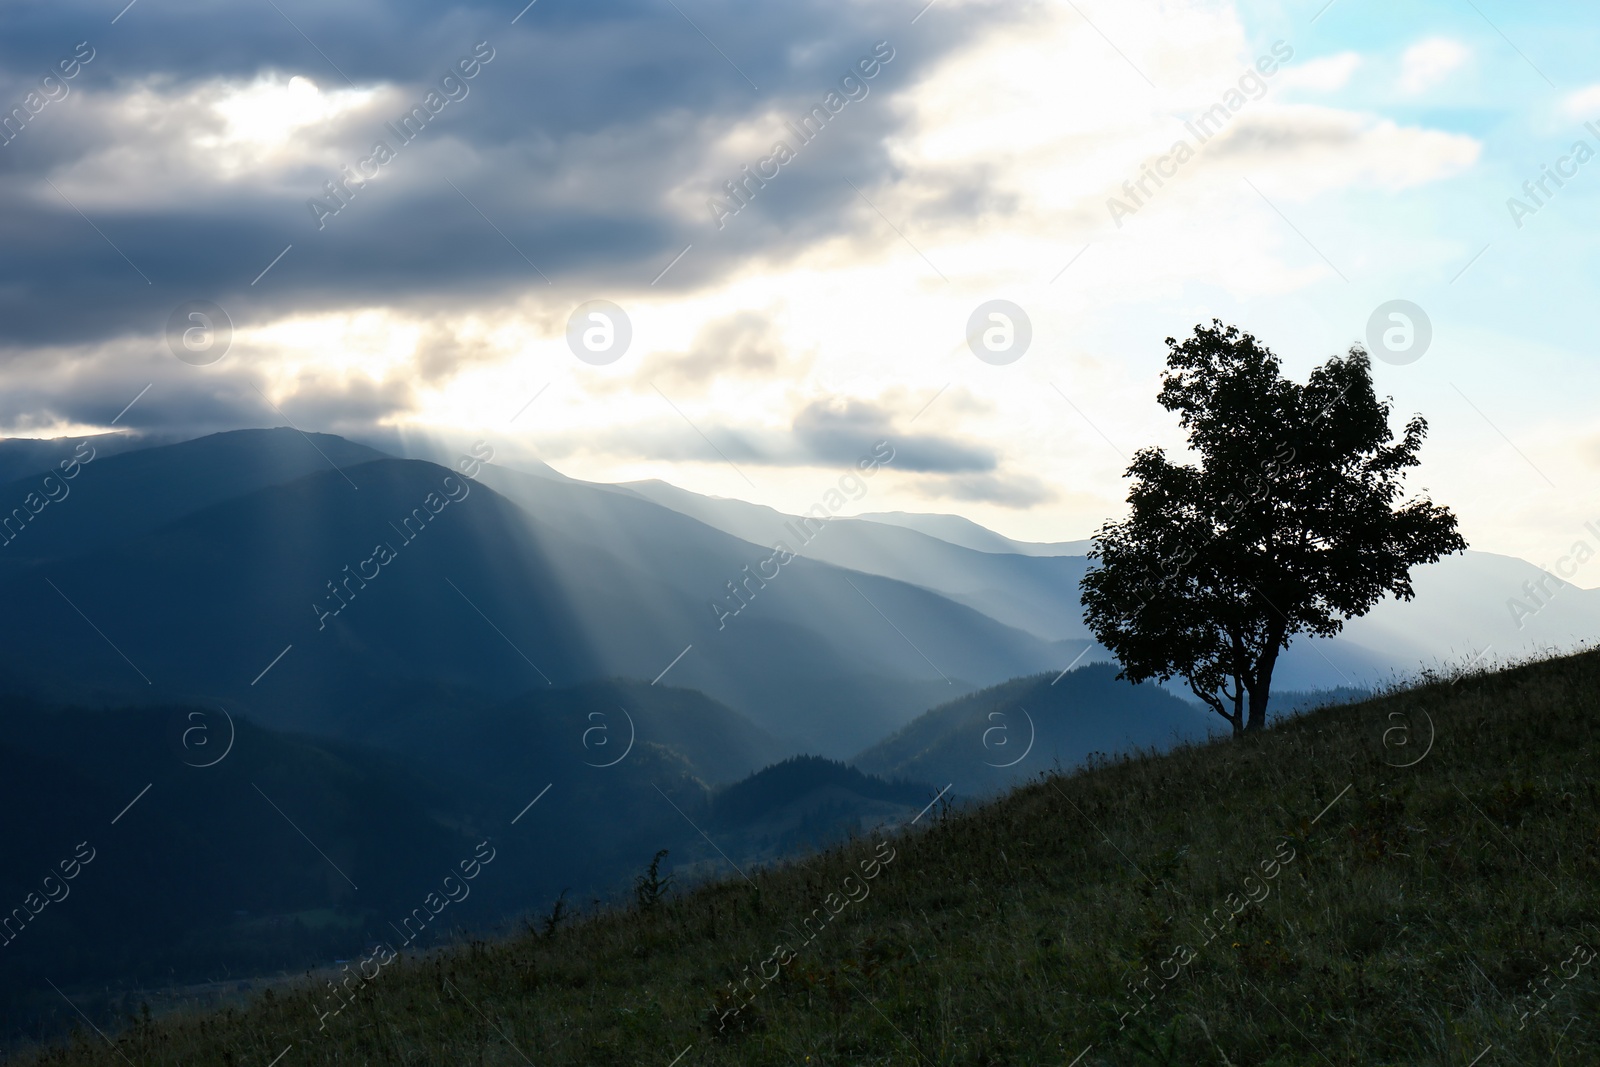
[(1294, 899)]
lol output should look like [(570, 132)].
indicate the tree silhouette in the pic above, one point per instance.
[(1287, 525)]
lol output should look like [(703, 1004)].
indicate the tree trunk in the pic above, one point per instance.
[(1261, 692), (1258, 707)]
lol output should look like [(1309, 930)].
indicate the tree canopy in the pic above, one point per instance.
[(1291, 521)]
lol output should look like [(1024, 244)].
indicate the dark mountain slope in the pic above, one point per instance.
[(783, 783), (202, 606), (551, 732), (23, 457), (115, 497), (186, 871), (988, 740)]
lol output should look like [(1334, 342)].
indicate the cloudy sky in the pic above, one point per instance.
[(1337, 157)]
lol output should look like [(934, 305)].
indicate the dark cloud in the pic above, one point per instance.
[(176, 400), (98, 389), (834, 432), (581, 158), (1006, 490), (823, 434)]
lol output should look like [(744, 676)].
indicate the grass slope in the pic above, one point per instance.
[(1359, 913)]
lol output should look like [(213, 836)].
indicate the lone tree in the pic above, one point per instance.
[(1289, 524)]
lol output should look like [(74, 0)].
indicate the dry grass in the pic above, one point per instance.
[(1405, 929)]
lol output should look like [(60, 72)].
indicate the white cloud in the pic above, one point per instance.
[(1307, 151), (1428, 63), (1583, 105), (1324, 74)]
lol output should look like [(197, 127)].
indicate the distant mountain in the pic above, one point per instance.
[(1320, 663), (316, 602), (1464, 603), (824, 655), (1482, 606), (116, 495), (200, 607), (24, 456), (989, 740), (551, 732), (964, 532), (1036, 592), (805, 803), (781, 784), (1473, 608)]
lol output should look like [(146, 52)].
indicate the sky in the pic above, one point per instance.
[(178, 158)]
